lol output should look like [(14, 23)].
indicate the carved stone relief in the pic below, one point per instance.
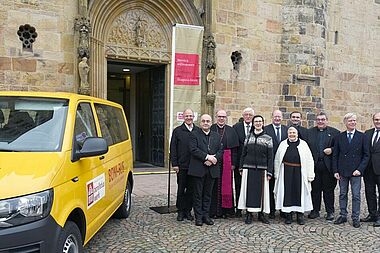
[(136, 34)]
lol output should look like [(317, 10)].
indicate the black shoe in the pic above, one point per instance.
[(238, 214), (248, 218), (313, 214), (356, 224), (180, 216), (369, 218), (263, 219), (198, 223), (340, 220), (300, 219), (208, 221), (330, 217), (282, 214), (377, 223), (271, 215), (189, 217), (288, 218)]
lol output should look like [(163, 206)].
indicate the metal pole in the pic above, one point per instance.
[(169, 185)]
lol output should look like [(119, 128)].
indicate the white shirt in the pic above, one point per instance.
[(245, 128)]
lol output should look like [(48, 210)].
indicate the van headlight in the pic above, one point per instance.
[(25, 209)]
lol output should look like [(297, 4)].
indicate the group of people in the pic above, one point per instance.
[(258, 168)]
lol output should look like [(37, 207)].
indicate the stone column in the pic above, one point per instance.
[(303, 52)]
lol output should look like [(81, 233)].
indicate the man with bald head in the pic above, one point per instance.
[(180, 159), (206, 153), (278, 132)]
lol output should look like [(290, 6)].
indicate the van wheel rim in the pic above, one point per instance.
[(70, 245), (127, 199)]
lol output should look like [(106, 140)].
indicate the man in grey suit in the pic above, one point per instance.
[(350, 159), (372, 173), (278, 133)]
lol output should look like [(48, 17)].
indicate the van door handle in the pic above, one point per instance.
[(101, 157), (75, 179)]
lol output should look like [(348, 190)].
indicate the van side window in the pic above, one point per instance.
[(112, 124), (84, 123)]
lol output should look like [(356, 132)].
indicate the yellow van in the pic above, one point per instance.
[(65, 169)]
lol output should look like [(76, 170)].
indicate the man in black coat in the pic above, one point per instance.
[(180, 159), (278, 133), (242, 130), (321, 142), (350, 159), (206, 152), (295, 121), (372, 173)]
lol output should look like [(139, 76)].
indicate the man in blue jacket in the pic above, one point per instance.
[(350, 159)]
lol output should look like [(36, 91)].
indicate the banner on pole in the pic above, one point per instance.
[(185, 85)]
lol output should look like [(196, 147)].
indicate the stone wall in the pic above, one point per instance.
[(50, 65), (290, 59)]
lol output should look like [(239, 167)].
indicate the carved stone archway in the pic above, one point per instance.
[(138, 30)]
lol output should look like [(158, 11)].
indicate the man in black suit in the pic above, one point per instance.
[(321, 142), (206, 152), (180, 159), (350, 159), (278, 133), (372, 173), (242, 130), (295, 121)]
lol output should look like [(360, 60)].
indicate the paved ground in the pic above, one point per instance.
[(148, 231)]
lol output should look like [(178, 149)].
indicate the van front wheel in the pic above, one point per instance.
[(70, 239), (125, 209)]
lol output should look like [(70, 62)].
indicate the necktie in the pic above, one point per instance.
[(349, 137), (376, 137), (278, 134), (247, 132)]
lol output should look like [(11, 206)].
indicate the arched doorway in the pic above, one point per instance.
[(137, 35)]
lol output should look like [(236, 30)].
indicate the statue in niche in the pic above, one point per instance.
[(210, 78), (82, 25), (84, 69), (140, 30)]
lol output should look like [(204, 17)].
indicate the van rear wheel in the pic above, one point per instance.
[(125, 209), (70, 239)]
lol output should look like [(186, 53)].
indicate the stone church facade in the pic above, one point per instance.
[(305, 55)]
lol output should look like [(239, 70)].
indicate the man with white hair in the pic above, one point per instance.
[(242, 130), (350, 159)]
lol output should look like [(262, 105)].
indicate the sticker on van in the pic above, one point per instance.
[(95, 190)]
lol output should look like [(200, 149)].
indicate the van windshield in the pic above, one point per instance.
[(30, 124)]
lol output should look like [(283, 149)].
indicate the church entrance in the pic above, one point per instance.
[(140, 88)]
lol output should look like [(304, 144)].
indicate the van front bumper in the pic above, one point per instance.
[(39, 236)]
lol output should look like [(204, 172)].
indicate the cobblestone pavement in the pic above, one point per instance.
[(148, 231)]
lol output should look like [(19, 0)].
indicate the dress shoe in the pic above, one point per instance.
[(288, 218), (356, 224), (282, 214), (313, 214), (188, 216), (208, 221), (377, 223), (300, 219), (369, 218), (340, 220), (271, 215), (180, 216), (238, 214), (198, 223), (330, 216), (262, 217), (248, 218)]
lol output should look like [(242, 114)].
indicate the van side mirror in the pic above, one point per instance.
[(92, 146)]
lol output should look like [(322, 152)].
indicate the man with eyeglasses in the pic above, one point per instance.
[(180, 159), (222, 203), (242, 130), (321, 143), (278, 132), (350, 159), (206, 153), (372, 173)]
